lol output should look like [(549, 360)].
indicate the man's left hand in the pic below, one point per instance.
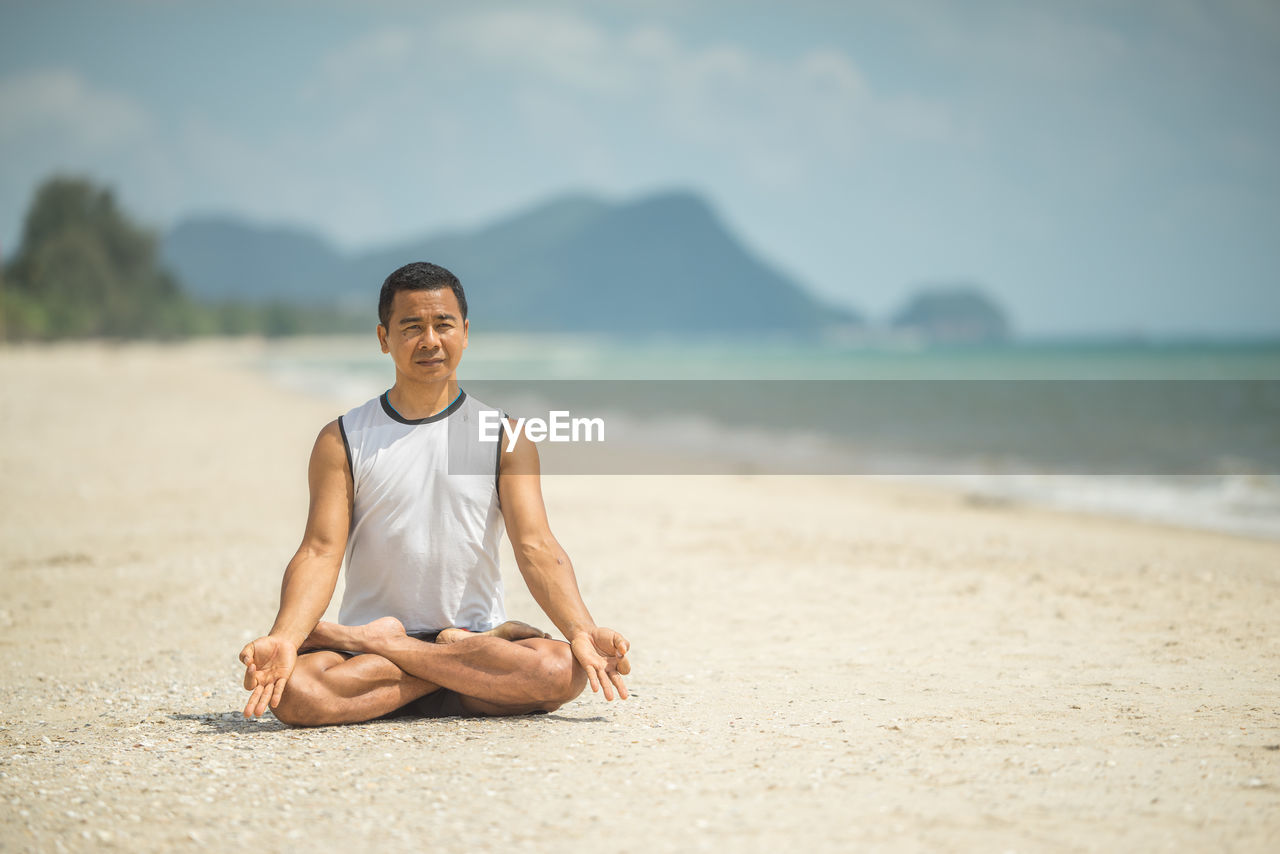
[(603, 654)]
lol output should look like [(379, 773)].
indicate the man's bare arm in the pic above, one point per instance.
[(549, 574), (311, 576)]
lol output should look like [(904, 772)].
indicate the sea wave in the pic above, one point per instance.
[(1203, 454)]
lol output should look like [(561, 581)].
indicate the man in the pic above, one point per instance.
[(423, 630)]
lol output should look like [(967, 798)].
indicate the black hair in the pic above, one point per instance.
[(418, 276)]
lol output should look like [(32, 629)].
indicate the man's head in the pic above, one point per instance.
[(418, 276), (423, 322)]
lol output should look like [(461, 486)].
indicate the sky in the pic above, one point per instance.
[(1100, 168)]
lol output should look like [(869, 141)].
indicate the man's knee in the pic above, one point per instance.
[(300, 704), (562, 677)]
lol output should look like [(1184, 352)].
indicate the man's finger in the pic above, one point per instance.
[(251, 706), (592, 678), (277, 693), (246, 654), (604, 684), (250, 677), (263, 694), (622, 686), (624, 666)]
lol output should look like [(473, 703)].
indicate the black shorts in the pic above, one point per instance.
[(440, 703)]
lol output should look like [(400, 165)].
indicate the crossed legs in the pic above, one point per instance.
[(492, 674)]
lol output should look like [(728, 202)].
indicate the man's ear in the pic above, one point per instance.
[(466, 328), (382, 338)]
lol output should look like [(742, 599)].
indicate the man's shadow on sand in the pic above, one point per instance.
[(234, 722)]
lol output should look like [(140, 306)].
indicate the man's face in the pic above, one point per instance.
[(426, 336)]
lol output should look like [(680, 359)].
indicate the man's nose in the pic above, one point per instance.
[(429, 340)]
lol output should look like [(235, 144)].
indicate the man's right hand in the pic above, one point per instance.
[(269, 662)]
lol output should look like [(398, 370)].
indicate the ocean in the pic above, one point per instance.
[(1186, 433)]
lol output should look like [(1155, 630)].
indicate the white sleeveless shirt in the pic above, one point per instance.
[(426, 524)]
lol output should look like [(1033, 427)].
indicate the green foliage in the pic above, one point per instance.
[(275, 319), (84, 269)]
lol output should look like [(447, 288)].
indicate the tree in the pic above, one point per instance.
[(84, 268)]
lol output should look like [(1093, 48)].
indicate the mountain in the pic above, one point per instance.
[(222, 258), (953, 314), (657, 264)]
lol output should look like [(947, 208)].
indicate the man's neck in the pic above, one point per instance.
[(421, 400)]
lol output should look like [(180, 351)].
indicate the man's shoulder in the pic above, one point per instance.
[(360, 415), (472, 404), (373, 404)]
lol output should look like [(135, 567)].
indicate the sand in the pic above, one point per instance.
[(820, 663)]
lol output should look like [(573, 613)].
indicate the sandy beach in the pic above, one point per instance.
[(820, 663)]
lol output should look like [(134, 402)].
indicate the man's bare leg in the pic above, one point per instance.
[(327, 687), (328, 635), (492, 675), (507, 677), (512, 630)]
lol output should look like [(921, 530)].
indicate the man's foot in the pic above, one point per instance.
[(511, 630), (323, 636), (328, 635)]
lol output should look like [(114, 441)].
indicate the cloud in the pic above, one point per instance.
[(555, 45), (57, 121), (58, 103), (54, 120), (1018, 43), (345, 71), (580, 87)]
